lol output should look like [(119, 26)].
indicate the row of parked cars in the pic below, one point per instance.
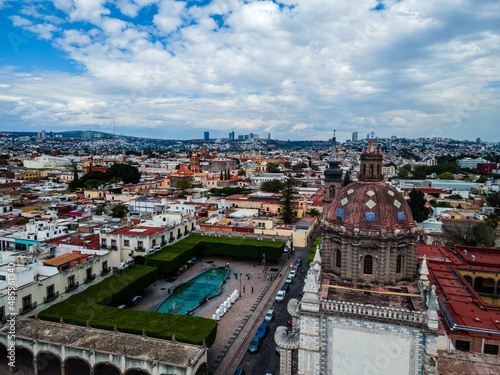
[(269, 317)]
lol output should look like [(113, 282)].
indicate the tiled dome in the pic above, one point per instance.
[(370, 206)]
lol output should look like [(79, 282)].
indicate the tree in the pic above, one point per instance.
[(299, 167), (287, 165), (124, 172), (272, 167), (183, 184), (313, 212), (467, 233), (221, 176), (347, 179), (120, 210), (491, 220), (272, 186), (417, 206), (419, 173), (407, 166), (493, 199), (446, 176), (403, 172), (242, 172), (482, 179), (287, 200)]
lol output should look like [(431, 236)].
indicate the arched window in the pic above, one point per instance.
[(399, 263), (338, 259), (368, 265), (371, 170), (332, 191)]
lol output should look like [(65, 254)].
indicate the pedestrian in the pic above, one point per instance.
[(252, 289), (243, 288)]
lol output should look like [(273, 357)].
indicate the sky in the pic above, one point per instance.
[(296, 69)]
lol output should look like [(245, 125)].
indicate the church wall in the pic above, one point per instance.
[(309, 348), (355, 346)]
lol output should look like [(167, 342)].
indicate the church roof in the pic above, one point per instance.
[(370, 206)]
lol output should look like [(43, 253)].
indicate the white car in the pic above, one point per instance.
[(150, 251), (122, 265), (289, 280), (292, 274), (269, 316), (156, 248), (280, 296)]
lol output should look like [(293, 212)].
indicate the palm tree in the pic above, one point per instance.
[(313, 212), (491, 220)]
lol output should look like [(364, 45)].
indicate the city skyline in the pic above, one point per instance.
[(172, 69)]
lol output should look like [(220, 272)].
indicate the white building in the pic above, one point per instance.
[(47, 161)]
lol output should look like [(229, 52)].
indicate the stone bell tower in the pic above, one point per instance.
[(333, 177)]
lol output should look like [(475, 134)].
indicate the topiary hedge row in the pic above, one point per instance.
[(174, 256), (95, 303)]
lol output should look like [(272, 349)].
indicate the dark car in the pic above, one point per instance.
[(285, 287), (255, 344), (298, 262), (264, 327), (239, 371)]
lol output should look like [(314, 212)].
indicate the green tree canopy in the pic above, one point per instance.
[(287, 209), (493, 199), (491, 220), (183, 184), (445, 176), (482, 179), (419, 172), (242, 172), (313, 212), (403, 172), (272, 186), (124, 172), (347, 179), (272, 167), (287, 165), (417, 206), (120, 210)]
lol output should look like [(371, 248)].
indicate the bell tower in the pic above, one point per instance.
[(370, 169), (333, 177)]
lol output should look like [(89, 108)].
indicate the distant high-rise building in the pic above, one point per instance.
[(206, 136), (478, 140), (354, 136), (254, 136), (231, 136), (51, 135), (268, 135), (246, 136), (241, 137)]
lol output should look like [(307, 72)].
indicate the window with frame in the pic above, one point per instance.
[(338, 259), (154, 242), (71, 281), (463, 346), (399, 263), (126, 242), (139, 245), (50, 291), (103, 243), (27, 302), (368, 265), (113, 243), (491, 349)]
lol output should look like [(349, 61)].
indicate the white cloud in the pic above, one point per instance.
[(295, 71)]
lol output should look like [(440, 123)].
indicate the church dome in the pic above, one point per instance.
[(373, 206)]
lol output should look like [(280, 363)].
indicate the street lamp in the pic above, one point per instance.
[(240, 285)]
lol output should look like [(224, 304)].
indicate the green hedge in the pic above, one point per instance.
[(174, 256), (94, 305), (312, 253)]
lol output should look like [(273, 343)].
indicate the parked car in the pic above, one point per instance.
[(263, 328), (280, 296), (298, 262), (255, 344), (122, 266), (289, 279), (156, 248), (150, 251), (239, 371), (285, 287), (269, 316), (295, 268), (130, 261), (292, 274)]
